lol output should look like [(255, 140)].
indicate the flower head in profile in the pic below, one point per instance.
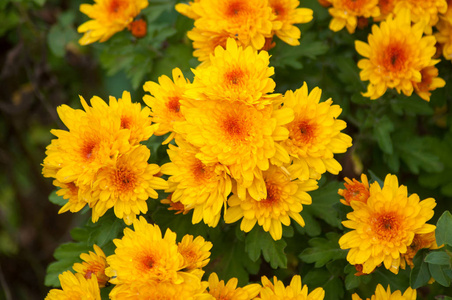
[(444, 35), (288, 13), (108, 17), (126, 185), (196, 185), (205, 42), (164, 101), (235, 74), (395, 56), (284, 201), (94, 263), (314, 134), (70, 192), (381, 293), (429, 82), (294, 291), (177, 206), (345, 13), (425, 12), (385, 226), (196, 252), (229, 291), (143, 255), (420, 241), (250, 21), (240, 137), (75, 287), (355, 190)]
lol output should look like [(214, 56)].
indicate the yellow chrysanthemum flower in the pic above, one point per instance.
[(429, 82), (250, 21), (142, 255), (94, 263), (198, 186), (230, 291), (240, 137), (132, 117), (108, 17), (384, 228), (196, 252), (75, 287), (187, 10), (191, 289), (355, 190), (381, 294), (205, 42), (126, 185), (386, 8), (314, 134), (285, 199), (288, 13), (395, 56), (425, 12), (235, 74), (70, 191), (420, 241), (294, 291), (444, 36), (345, 13), (165, 101)]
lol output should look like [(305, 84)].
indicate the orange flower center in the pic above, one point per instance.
[(116, 6), (173, 104), (148, 262), (387, 226), (355, 5), (278, 9), (394, 57), (125, 122), (199, 170), (234, 128), (303, 132), (234, 76), (88, 150), (273, 195), (236, 8), (124, 179)]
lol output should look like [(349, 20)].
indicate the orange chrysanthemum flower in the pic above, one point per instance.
[(284, 201), (288, 13), (138, 28), (230, 291), (177, 206), (425, 12), (395, 56), (385, 226), (429, 82), (386, 8), (75, 287), (314, 134), (294, 291), (345, 13), (382, 294), (126, 185), (355, 190), (235, 74), (165, 101), (198, 186), (108, 17), (94, 263), (420, 241), (238, 136), (250, 21)]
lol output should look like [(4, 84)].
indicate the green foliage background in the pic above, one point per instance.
[(42, 66)]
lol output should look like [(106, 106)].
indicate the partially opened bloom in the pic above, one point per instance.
[(294, 291), (386, 8), (108, 17), (395, 56), (235, 74), (444, 36), (196, 185), (284, 201), (425, 12), (126, 185), (420, 241), (385, 226), (382, 294), (196, 252), (75, 287), (164, 101), (355, 190), (94, 263), (288, 13), (429, 82), (314, 134), (205, 42), (345, 13), (70, 191), (219, 290)]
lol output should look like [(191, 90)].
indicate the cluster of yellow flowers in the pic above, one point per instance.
[(381, 293), (233, 134), (99, 160), (388, 226), (147, 265), (252, 23), (397, 55)]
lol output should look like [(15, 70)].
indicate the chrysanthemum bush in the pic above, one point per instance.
[(236, 168)]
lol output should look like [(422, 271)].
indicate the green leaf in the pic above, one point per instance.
[(352, 281), (323, 201), (333, 286), (323, 250), (382, 131), (438, 258), (258, 241), (444, 229), (58, 200), (420, 274), (62, 33), (438, 273)]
